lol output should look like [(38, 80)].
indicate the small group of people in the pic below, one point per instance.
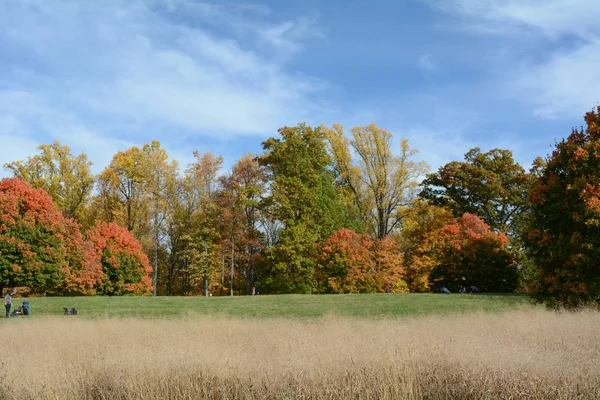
[(23, 310), (464, 290)]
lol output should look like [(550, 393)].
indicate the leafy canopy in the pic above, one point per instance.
[(563, 234)]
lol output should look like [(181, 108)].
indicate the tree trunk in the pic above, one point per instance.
[(155, 266), (222, 272), (232, 266), (205, 270)]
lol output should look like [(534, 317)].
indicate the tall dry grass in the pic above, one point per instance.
[(539, 355)]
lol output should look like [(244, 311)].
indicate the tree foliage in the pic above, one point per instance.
[(303, 197), (491, 185), (125, 267), (379, 182), (66, 178), (466, 252), (39, 247), (421, 220), (349, 262), (317, 211), (121, 188), (83, 270), (563, 234), (32, 251)]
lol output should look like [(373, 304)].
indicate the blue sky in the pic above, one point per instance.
[(223, 76)]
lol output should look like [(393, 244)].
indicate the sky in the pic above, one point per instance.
[(223, 76)]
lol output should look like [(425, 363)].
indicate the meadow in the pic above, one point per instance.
[(294, 347), (277, 306)]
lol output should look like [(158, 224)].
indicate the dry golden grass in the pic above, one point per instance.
[(520, 354)]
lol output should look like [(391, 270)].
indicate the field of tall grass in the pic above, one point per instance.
[(532, 354)]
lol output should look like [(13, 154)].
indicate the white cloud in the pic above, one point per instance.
[(552, 17), (27, 121), (158, 63), (568, 83), (564, 78)]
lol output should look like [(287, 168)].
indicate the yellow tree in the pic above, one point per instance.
[(133, 192), (379, 182), (202, 249), (160, 177), (122, 187), (421, 219), (65, 177)]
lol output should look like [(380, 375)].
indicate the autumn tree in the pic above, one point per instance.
[(491, 185), (344, 263), (239, 197), (121, 191), (303, 198), (466, 252), (348, 262), (39, 247), (66, 178), (421, 220), (133, 193), (125, 267), (193, 237), (160, 176), (83, 268), (563, 233), (379, 182), (182, 205)]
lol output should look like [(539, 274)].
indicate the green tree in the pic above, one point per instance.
[(303, 197), (563, 233), (491, 185), (66, 178)]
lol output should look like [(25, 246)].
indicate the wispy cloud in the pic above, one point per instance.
[(103, 75), (126, 59), (564, 78), (426, 63), (552, 17)]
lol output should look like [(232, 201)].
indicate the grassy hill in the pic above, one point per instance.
[(279, 306)]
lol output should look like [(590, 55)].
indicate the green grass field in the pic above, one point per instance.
[(278, 306)]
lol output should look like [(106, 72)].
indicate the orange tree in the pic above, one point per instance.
[(466, 252), (39, 247), (125, 267), (351, 262), (563, 235)]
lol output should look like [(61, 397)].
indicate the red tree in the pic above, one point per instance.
[(125, 267), (32, 251), (351, 262), (467, 252), (83, 271), (39, 248)]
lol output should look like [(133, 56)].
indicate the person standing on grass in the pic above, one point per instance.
[(8, 302)]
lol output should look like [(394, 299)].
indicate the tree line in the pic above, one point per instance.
[(318, 211)]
